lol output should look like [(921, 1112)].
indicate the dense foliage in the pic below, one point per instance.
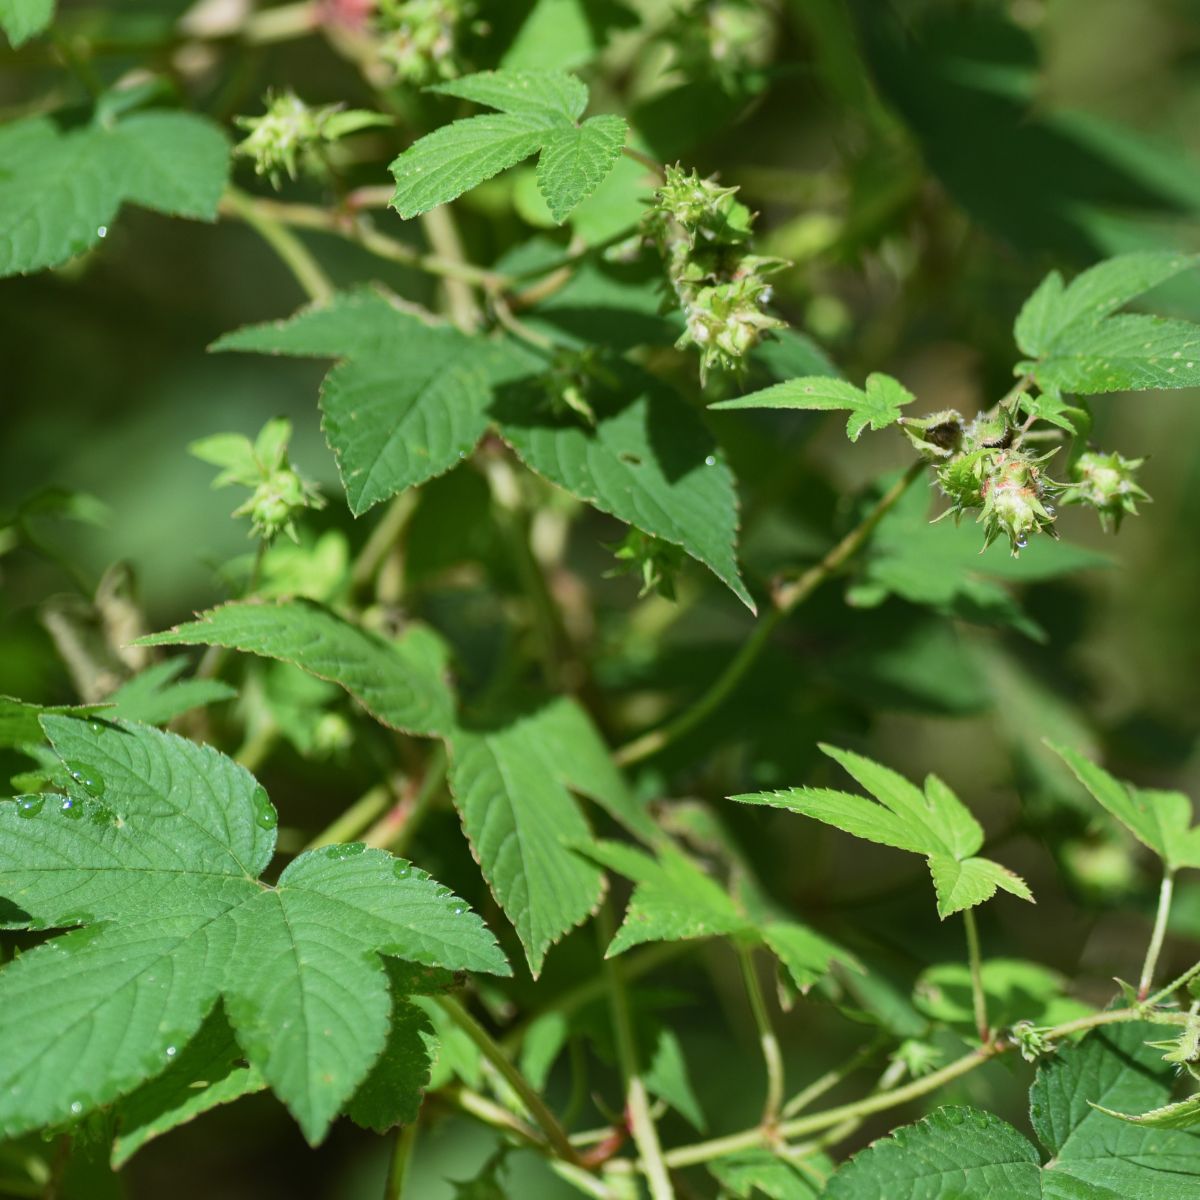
[(417, 832)]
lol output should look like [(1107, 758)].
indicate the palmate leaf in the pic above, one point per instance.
[(1161, 821), (1076, 345), (22, 19), (674, 900), (156, 695), (1092, 1156), (59, 192), (159, 861), (538, 111), (878, 405), (408, 400), (402, 683), (933, 823)]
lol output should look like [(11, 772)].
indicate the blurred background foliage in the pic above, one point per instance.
[(922, 164)]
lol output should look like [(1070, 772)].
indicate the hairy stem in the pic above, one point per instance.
[(555, 1134), (975, 961), (788, 598), (1158, 935), (637, 1100), (766, 1037), (1174, 986), (291, 250)]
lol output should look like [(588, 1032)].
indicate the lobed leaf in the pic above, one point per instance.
[(574, 162)]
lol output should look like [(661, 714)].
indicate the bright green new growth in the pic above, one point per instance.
[(155, 848), (23, 19), (878, 405), (1092, 1156), (934, 823), (539, 111), (674, 900), (60, 192), (1161, 821)]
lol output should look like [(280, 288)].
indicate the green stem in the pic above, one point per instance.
[(495, 1115), (555, 1134), (1174, 985), (815, 1090), (766, 1037), (383, 537), (402, 1152), (646, 161), (395, 830), (350, 823), (442, 232), (1158, 934), (975, 961), (787, 599), (291, 250), (637, 1100)]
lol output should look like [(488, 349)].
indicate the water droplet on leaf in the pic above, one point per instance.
[(30, 806), (265, 816)]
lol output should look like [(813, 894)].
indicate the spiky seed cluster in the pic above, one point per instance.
[(1106, 482), (1031, 1041), (703, 233), (1015, 499), (655, 561), (420, 40)]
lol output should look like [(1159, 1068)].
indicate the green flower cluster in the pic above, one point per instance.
[(1106, 482), (703, 234), (421, 40)]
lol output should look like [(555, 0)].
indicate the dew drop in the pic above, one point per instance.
[(265, 816), (86, 776), (710, 461), (76, 1107), (171, 1051), (30, 806), (71, 808), (102, 231), (458, 910), (401, 869), (1022, 542)]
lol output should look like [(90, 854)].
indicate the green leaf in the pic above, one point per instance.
[(1183, 1114), (575, 161), (155, 696), (753, 1173), (1091, 1155), (22, 19), (20, 722), (159, 858), (60, 192), (878, 405), (674, 900), (402, 683), (538, 112), (1053, 313), (408, 400), (514, 794), (648, 461), (1079, 347), (567, 33), (666, 1076), (1161, 821), (934, 823), (1016, 990), (207, 1072)]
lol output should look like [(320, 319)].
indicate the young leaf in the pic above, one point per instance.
[(59, 192), (1076, 345), (1091, 1156), (407, 400), (935, 824), (163, 871), (22, 19), (878, 405), (538, 111), (648, 461), (513, 791), (674, 900), (1161, 821), (155, 696), (401, 683), (750, 1174)]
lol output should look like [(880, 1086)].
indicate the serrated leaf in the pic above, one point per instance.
[(1051, 313), (674, 900), (1077, 346), (22, 19), (647, 460), (934, 823), (753, 1173), (21, 722), (1183, 1114), (1161, 821), (162, 870), (514, 796), (59, 192), (155, 696), (208, 1071), (1091, 1155), (538, 112), (878, 405), (401, 683), (408, 400), (574, 162)]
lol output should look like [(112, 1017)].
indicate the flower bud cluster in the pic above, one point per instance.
[(421, 40), (290, 136), (703, 233), (1106, 482), (655, 561)]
